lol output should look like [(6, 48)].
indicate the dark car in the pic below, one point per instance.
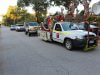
[(92, 28)]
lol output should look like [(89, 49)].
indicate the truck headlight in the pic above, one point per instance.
[(78, 38), (18, 27), (31, 29)]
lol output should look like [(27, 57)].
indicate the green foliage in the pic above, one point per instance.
[(94, 18), (7, 20), (40, 6), (81, 13), (65, 3), (16, 14), (91, 18)]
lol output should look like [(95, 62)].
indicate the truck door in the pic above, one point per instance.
[(57, 33)]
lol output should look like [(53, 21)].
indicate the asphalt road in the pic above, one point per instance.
[(23, 55)]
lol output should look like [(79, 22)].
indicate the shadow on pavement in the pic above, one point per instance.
[(62, 45)]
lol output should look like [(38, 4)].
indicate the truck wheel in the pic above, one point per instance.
[(68, 44)]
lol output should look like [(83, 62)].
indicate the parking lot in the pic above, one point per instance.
[(23, 55)]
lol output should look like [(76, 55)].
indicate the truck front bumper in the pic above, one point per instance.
[(32, 32), (20, 29), (84, 44)]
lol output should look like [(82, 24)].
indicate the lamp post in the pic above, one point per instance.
[(96, 11), (86, 14)]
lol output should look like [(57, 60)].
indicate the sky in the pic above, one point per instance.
[(4, 4)]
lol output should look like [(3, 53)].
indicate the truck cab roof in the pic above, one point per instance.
[(63, 22)]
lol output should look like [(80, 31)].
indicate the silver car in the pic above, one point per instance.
[(20, 27), (13, 27)]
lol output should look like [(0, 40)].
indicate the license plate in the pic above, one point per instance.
[(91, 41)]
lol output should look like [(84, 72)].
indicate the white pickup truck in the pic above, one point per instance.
[(68, 34)]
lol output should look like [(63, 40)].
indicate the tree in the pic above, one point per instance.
[(85, 3), (6, 20), (40, 6), (81, 13), (65, 3), (16, 14), (70, 5)]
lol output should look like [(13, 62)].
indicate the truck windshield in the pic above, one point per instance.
[(12, 25), (33, 24), (81, 26), (69, 26), (20, 25)]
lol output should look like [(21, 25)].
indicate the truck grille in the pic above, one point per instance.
[(91, 37), (91, 40)]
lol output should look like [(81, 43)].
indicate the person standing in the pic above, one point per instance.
[(50, 22), (50, 25)]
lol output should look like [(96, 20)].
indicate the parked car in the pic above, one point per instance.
[(13, 27), (92, 28), (31, 28), (98, 25), (20, 27)]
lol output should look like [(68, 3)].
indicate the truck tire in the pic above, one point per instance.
[(68, 44)]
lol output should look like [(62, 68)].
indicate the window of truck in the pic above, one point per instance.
[(69, 26), (58, 27), (33, 24)]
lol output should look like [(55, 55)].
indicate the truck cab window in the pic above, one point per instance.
[(58, 27)]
